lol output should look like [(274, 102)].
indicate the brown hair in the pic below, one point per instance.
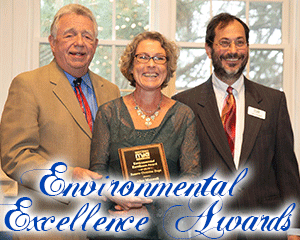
[(222, 20)]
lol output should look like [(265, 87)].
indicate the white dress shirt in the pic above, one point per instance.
[(239, 95)]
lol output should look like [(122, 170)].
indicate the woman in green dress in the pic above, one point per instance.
[(144, 117)]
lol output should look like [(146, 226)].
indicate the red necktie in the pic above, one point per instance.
[(229, 118), (83, 102)]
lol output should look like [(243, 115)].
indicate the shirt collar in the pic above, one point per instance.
[(85, 78), (221, 86)]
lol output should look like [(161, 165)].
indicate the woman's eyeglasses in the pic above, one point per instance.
[(144, 58)]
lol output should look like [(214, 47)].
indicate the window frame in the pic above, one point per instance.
[(161, 10), (112, 43)]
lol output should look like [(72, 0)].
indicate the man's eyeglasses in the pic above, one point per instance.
[(239, 43), (144, 58)]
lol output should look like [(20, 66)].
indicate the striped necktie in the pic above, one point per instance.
[(229, 118)]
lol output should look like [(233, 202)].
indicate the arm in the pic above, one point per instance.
[(20, 134), (25, 117), (100, 142), (100, 156), (285, 162), (190, 165)]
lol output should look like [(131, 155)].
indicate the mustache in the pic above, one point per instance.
[(231, 55)]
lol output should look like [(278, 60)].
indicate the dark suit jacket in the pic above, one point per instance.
[(267, 148)]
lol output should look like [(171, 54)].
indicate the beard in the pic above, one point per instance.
[(225, 74)]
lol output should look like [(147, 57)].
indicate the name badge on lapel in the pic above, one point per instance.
[(255, 112)]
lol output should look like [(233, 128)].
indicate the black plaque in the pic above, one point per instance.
[(145, 163)]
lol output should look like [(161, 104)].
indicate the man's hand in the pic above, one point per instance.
[(293, 237), (126, 203), (81, 174)]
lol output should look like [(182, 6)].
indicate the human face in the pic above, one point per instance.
[(229, 63), (75, 44), (149, 76)]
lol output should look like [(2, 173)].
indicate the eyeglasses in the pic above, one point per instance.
[(239, 43), (144, 58)]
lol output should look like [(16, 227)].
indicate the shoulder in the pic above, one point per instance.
[(37, 77), (259, 87), (111, 110), (113, 105), (183, 108), (102, 81), (189, 96), (183, 113), (33, 73), (190, 92), (260, 91)]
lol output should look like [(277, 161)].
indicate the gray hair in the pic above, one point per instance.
[(73, 8)]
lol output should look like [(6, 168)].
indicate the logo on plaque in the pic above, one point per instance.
[(144, 163), (142, 155)]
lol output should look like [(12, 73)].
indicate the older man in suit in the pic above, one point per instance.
[(50, 111), (242, 124)]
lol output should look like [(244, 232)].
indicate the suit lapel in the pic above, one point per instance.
[(252, 124), (97, 85), (64, 92), (209, 115)]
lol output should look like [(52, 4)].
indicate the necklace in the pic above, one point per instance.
[(147, 117)]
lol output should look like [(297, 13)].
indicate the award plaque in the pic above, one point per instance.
[(145, 163)]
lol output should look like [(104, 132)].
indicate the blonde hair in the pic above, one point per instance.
[(172, 52)]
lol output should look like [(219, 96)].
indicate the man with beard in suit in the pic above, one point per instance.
[(241, 124)]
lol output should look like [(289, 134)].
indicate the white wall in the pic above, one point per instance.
[(296, 119), (15, 41), (14, 52)]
